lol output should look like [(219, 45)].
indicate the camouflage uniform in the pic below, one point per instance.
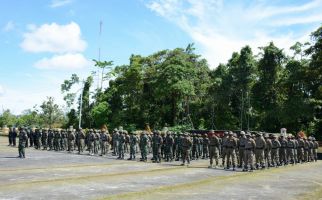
[(71, 140), (91, 140), (241, 147), (282, 153), (231, 145), (259, 151), (300, 150), (213, 148), (315, 150), (115, 140), (205, 144), (290, 151), (250, 146), (22, 143), (133, 142), (267, 151), (195, 147), (44, 138), (144, 140), (121, 145), (186, 146), (169, 143), (156, 145), (50, 140), (275, 151), (104, 141)]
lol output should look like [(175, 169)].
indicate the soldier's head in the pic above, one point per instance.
[(231, 134), (247, 135), (242, 133)]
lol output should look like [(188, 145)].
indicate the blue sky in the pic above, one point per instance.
[(44, 41)]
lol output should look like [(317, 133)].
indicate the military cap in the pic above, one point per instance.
[(242, 132), (231, 133)]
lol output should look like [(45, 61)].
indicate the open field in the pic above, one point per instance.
[(58, 175)]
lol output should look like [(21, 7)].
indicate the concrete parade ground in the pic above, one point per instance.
[(62, 175)]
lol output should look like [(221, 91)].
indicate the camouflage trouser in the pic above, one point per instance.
[(132, 151), (315, 154), (310, 155), (96, 146), (144, 152), (121, 150), (306, 155), (300, 155), (81, 145), (205, 152), (195, 153), (230, 153), (290, 155), (185, 155), (178, 152), (282, 155), (70, 145), (115, 148), (213, 154), (259, 155), (50, 144), (241, 156), (21, 150), (91, 147), (44, 143), (103, 147), (223, 155), (156, 152), (267, 156), (65, 143), (248, 159), (168, 153), (275, 157)]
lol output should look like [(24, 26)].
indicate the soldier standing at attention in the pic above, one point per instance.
[(133, 142), (276, 145), (121, 145), (144, 146), (10, 136), (81, 141), (300, 149), (315, 149), (91, 139), (169, 143), (44, 139), (267, 151), (186, 146), (213, 148), (115, 141), (310, 153), (290, 150), (103, 140), (259, 151), (306, 150), (282, 154), (223, 148), (250, 146), (205, 144), (231, 145), (241, 147), (50, 139), (71, 140), (96, 142), (14, 136), (22, 142), (64, 140), (195, 143)]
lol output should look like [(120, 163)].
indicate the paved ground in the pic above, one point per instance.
[(55, 175)]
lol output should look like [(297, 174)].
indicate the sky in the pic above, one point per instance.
[(43, 42)]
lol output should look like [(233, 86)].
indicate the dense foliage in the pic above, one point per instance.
[(176, 88)]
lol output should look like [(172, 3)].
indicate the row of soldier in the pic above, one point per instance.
[(246, 151)]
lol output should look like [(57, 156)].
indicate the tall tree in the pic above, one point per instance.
[(51, 113)]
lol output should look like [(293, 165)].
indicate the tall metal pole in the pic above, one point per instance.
[(241, 112), (80, 107)]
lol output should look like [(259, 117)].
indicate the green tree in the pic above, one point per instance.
[(51, 114)]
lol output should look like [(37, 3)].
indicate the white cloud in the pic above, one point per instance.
[(9, 26), (59, 3), (2, 92), (67, 61), (53, 38), (221, 27)]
